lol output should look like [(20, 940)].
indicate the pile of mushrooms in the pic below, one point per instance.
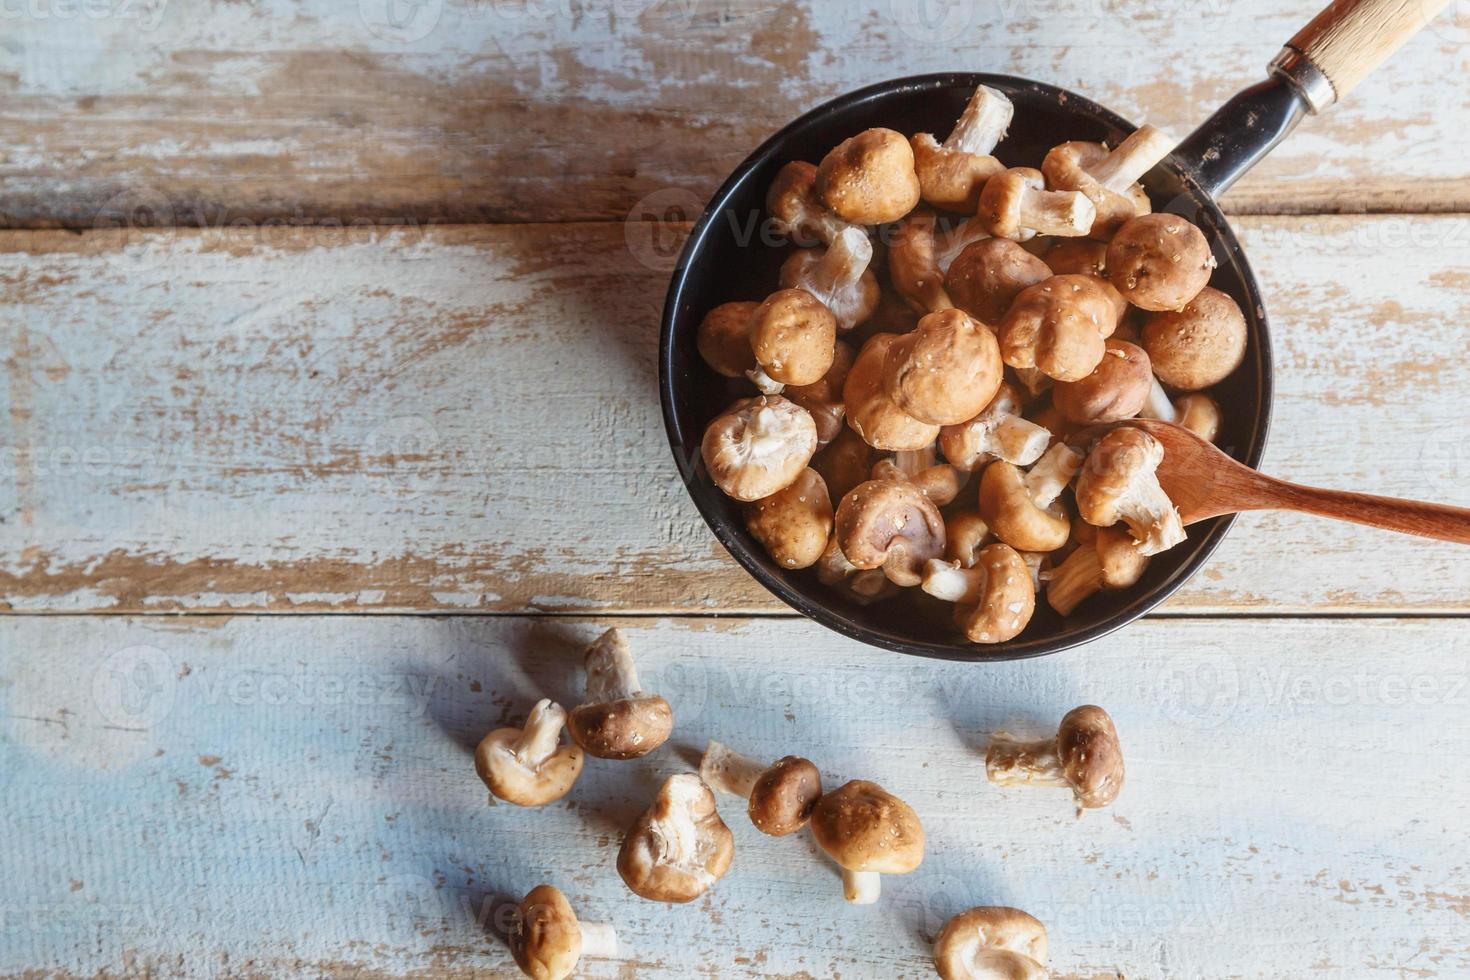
[(976, 370)]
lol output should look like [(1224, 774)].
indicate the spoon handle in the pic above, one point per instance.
[(1426, 520)]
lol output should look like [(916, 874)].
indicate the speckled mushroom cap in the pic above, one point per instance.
[(546, 941), (1117, 388), (844, 463), (863, 827), (679, 847), (1059, 326), (1091, 756), (991, 943), (944, 372), (758, 446), (985, 279), (793, 336), (890, 524), (823, 397), (782, 800), (723, 338), (1077, 256), (869, 178), (1198, 346), (795, 208), (1159, 262), (871, 413), (1006, 602), (624, 722), (953, 173), (793, 524)]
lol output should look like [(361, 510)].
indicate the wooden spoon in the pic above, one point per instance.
[(1203, 482)]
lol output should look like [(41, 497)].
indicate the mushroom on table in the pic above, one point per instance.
[(1084, 755), (618, 720), (528, 766), (991, 943), (547, 941), (780, 796), (679, 847), (869, 832)]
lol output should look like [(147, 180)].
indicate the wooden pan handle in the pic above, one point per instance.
[(1350, 38), (1426, 520)]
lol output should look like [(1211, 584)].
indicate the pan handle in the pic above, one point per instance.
[(1321, 64)]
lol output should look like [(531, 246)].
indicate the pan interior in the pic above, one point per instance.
[(732, 255)]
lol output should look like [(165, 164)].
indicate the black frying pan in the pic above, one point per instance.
[(727, 257)]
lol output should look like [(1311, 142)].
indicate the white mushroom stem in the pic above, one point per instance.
[(540, 738), (948, 245), (611, 674), (767, 384), (861, 887), (766, 435), (674, 840), (948, 581), (840, 266), (1016, 440), (1139, 153), (726, 771), (1011, 762), (1158, 405), (1049, 477), (1067, 213), (983, 124), (1151, 516), (599, 941), (1033, 560)]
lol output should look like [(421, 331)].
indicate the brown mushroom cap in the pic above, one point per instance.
[(869, 178), (890, 524), (1117, 388), (1091, 756), (793, 524), (1159, 262), (1010, 510), (758, 446), (985, 279), (871, 413), (1118, 483), (965, 535), (823, 397), (913, 266), (723, 338), (626, 729), (863, 827), (840, 276), (1198, 346), (1060, 325), (679, 847), (793, 336), (1007, 599), (782, 800), (795, 208), (529, 781), (951, 179), (844, 463), (864, 586), (546, 941), (1077, 256), (946, 371), (991, 942), (1066, 168)]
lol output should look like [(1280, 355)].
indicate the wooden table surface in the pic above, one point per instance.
[(328, 347)]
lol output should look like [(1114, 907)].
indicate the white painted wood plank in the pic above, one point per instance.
[(261, 795), (466, 418), (548, 109)]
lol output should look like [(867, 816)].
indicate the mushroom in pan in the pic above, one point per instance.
[(844, 463), (780, 796), (913, 265), (618, 720), (998, 432), (1105, 559), (528, 766), (871, 413), (823, 397), (940, 482), (838, 276), (1109, 178), (994, 599), (1084, 755), (547, 941), (1023, 508), (869, 832), (991, 943), (985, 279), (679, 847), (965, 535), (794, 339), (723, 339), (863, 586), (944, 372), (1059, 326), (1117, 389), (1119, 482), (1198, 346), (795, 209), (1196, 411), (952, 173), (1159, 262), (1015, 204), (793, 524), (869, 178), (892, 525), (1077, 256), (758, 446)]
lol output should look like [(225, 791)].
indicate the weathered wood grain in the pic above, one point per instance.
[(273, 795), (509, 110), (467, 418)]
